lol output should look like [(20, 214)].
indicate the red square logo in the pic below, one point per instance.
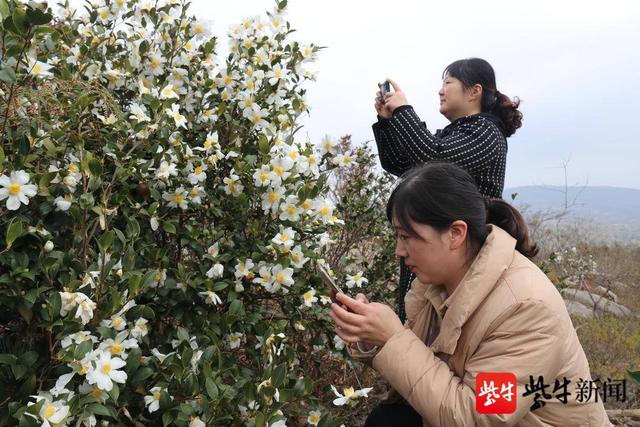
[(496, 393)]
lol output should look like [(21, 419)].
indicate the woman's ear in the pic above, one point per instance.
[(457, 234), (475, 93)]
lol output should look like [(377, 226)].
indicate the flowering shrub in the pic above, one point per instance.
[(160, 221)]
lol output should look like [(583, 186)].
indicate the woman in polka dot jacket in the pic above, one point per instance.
[(481, 119)]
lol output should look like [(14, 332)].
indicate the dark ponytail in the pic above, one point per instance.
[(510, 220), (473, 71), (439, 193)]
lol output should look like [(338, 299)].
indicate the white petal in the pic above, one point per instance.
[(30, 190), (5, 181), (13, 203), (21, 177), (118, 376), (340, 401)]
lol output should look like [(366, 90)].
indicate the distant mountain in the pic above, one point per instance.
[(606, 205)]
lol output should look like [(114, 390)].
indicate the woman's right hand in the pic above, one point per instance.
[(392, 100), (382, 109)]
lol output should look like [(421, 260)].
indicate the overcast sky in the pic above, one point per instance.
[(574, 64)]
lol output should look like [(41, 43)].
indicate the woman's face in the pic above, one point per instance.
[(455, 100), (430, 255)]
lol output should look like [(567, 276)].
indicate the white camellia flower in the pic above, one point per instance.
[(243, 268), (356, 280), (48, 247), (140, 328), (214, 249), (153, 400), (271, 199), (51, 412), (118, 346), (198, 175), (63, 203), (343, 160), (168, 93), (211, 297), (216, 271), (105, 372), (174, 113), (177, 199), (232, 184), (281, 278), (39, 68), (349, 394), (235, 339), (262, 176), (166, 170), (309, 297), (196, 422), (154, 223), (284, 239), (16, 189), (298, 260), (139, 113), (314, 418)]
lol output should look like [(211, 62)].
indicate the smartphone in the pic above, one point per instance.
[(385, 88), (328, 280)]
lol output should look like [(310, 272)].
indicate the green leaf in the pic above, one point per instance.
[(259, 420), (4, 9), (115, 392), (169, 227), (38, 17), (19, 19), (95, 167), (212, 389), (167, 418), (236, 308), (13, 232), (278, 375), (8, 359), (98, 409), (105, 241), (635, 376), (142, 375), (8, 76)]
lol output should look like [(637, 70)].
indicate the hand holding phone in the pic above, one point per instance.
[(328, 280), (385, 88)]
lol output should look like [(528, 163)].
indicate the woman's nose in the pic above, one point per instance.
[(441, 91), (401, 251)]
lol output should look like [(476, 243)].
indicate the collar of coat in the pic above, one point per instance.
[(492, 261)]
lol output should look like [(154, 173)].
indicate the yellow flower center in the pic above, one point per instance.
[(198, 170), (314, 418), (279, 170), (228, 80), (273, 197), (324, 210), (14, 189), (84, 369), (116, 349), (155, 63), (106, 369), (37, 69), (264, 176), (117, 322), (50, 411), (280, 277), (179, 198), (156, 395), (291, 210), (348, 392), (73, 168), (96, 392)]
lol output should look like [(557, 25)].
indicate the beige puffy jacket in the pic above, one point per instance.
[(504, 316)]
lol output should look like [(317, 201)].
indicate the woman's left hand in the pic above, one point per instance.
[(372, 323)]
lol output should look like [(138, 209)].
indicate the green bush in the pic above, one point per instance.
[(160, 221)]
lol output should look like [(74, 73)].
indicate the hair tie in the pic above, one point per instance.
[(497, 93)]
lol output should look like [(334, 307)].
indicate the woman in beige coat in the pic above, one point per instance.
[(478, 305)]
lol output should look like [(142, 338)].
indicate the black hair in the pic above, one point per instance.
[(473, 71), (439, 193)]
